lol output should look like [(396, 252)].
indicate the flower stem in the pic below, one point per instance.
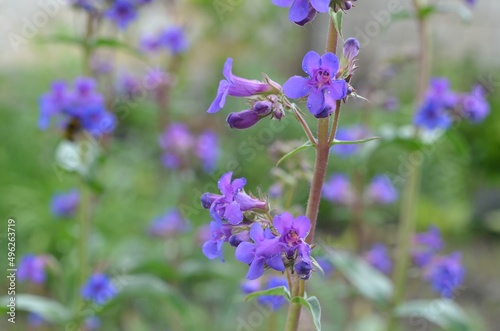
[(412, 185), (322, 154)]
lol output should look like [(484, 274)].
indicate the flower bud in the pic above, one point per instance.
[(303, 269), (238, 238), (207, 199), (351, 49), (243, 119)]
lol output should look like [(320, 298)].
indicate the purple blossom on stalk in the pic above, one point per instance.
[(122, 12), (381, 191), (265, 250), (351, 49), (169, 224), (35, 320), (445, 274), (378, 257), (274, 302), (98, 289), (355, 132), (174, 39), (233, 202), (65, 205), (31, 268), (321, 87), (426, 245), (220, 234), (474, 105), (247, 118), (439, 100), (237, 87), (303, 11), (207, 150), (337, 189), (52, 102)]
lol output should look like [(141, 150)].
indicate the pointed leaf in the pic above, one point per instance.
[(337, 20), (50, 310), (352, 142), (305, 146), (281, 291), (312, 304)]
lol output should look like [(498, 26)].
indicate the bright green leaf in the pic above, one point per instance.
[(368, 281), (305, 146), (426, 11), (337, 20), (444, 313), (281, 291), (51, 311), (312, 304), (352, 142)]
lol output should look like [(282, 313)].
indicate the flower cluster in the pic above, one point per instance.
[(260, 242), (273, 302), (32, 268), (172, 39), (98, 289), (169, 224), (179, 146), (80, 108), (339, 190), (442, 106), (65, 205), (445, 273)]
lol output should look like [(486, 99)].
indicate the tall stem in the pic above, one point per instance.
[(322, 154), (87, 46), (412, 185)]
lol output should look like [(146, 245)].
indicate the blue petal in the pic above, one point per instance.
[(320, 5), (224, 184), (331, 62), (297, 87), (316, 101), (227, 70), (233, 213), (311, 62), (238, 184), (220, 99), (245, 252), (282, 3), (211, 249), (337, 90), (299, 10), (257, 233), (302, 224), (256, 268), (276, 263)]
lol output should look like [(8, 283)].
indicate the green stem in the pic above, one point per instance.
[(412, 185), (320, 166), (87, 44)]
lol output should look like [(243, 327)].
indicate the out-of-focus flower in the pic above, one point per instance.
[(207, 150), (51, 103), (100, 65), (128, 86), (233, 202), (326, 265), (65, 204), (250, 286), (122, 12), (92, 323), (391, 104), (220, 234), (474, 105), (31, 268), (378, 257), (169, 224), (174, 39), (321, 87), (355, 132), (276, 190), (274, 302), (337, 189), (445, 274), (303, 11), (98, 289), (426, 245), (381, 191), (35, 320), (177, 143), (439, 100), (237, 87)]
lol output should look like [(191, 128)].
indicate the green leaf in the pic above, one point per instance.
[(113, 43), (281, 291), (305, 146), (62, 39), (337, 20), (352, 142), (460, 9), (444, 313), (368, 281), (311, 303), (426, 11), (51, 310)]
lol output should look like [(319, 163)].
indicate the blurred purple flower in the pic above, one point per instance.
[(276, 190), (381, 191), (92, 323), (445, 274), (170, 224), (474, 105), (439, 99), (176, 142), (337, 189), (326, 265), (391, 104), (233, 202), (250, 286), (274, 302), (235, 86), (322, 86), (51, 103), (426, 245), (207, 150), (355, 132), (100, 65), (65, 204), (150, 43), (35, 320), (174, 39), (31, 268), (303, 11), (378, 257), (265, 249), (98, 289), (128, 86), (122, 12), (220, 234)]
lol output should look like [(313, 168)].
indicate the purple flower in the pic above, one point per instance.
[(169, 224), (235, 86), (177, 143), (250, 286), (128, 86), (337, 189), (303, 11), (322, 86), (233, 202), (100, 65), (220, 234), (92, 323), (351, 49), (35, 320), (391, 104), (98, 289), (236, 239), (122, 12), (378, 257), (474, 105), (354, 132), (381, 191), (274, 302), (276, 190), (471, 3), (445, 274), (247, 118), (51, 103), (207, 150), (31, 268), (426, 245), (439, 99), (65, 204), (150, 43), (174, 39), (265, 250), (326, 265)]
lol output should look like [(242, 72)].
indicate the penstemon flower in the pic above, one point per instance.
[(122, 12), (381, 191), (434, 112), (65, 204), (337, 189), (169, 224), (378, 257), (207, 150), (32, 268), (172, 39), (354, 132), (98, 289), (220, 234), (425, 246), (303, 11), (322, 86), (445, 274)]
